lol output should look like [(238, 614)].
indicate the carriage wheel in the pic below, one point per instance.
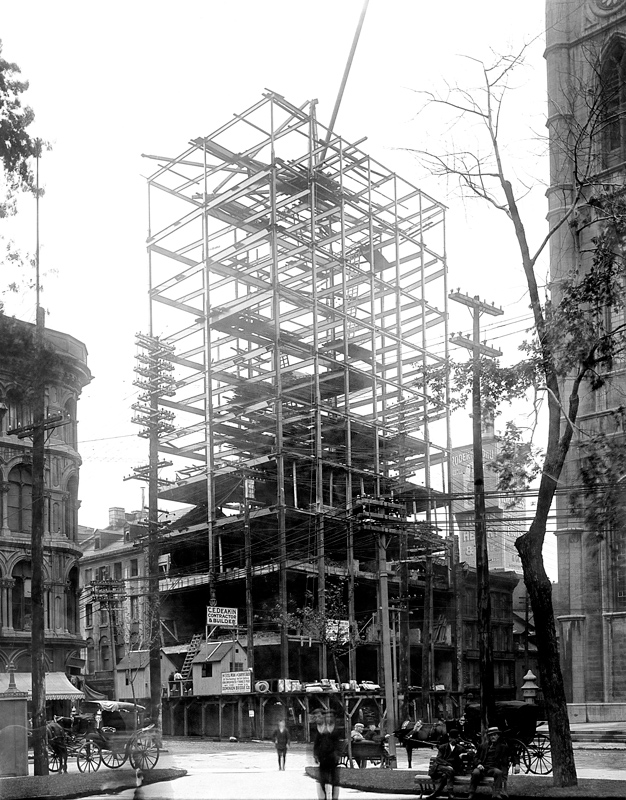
[(89, 757), (144, 752), (538, 755), (54, 762), (114, 758)]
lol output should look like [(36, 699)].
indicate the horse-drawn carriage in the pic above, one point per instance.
[(518, 723), (516, 720), (109, 732)]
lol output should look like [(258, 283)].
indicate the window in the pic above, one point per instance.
[(22, 603), (117, 571), (88, 576), (134, 567), (104, 617), (69, 430), (105, 654), (207, 669), (236, 666), (91, 657), (102, 574), (71, 510), (134, 608), (20, 499), (19, 412), (89, 615), (613, 107)]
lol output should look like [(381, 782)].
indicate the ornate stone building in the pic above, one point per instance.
[(69, 375), (586, 62)]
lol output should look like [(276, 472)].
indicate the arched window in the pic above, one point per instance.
[(20, 499), (21, 595), (71, 509), (91, 657), (613, 78), (19, 412), (72, 601), (71, 436)]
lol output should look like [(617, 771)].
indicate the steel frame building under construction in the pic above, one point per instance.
[(302, 288)]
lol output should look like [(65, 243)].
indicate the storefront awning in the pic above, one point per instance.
[(58, 687)]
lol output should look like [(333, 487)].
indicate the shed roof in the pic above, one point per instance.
[(216, 651)]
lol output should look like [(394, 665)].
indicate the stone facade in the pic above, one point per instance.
[(62, 462), (585, 54)]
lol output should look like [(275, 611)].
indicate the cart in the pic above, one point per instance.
[(78, 743), (108, 732), (122, 737)]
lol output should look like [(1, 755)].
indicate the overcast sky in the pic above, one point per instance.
[(110, 81)]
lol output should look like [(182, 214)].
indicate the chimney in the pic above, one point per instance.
[(117, 517)]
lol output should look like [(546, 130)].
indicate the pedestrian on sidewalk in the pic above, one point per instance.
[(326, 749), (282, 740)]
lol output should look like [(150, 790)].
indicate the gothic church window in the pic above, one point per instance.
[(614, 105)]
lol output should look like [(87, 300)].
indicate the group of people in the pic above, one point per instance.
[(492, 760)]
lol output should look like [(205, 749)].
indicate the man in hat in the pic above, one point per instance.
[(492, 761), (448, 763), (357, 734)]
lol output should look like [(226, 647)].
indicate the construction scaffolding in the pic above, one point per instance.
[(302, 286)]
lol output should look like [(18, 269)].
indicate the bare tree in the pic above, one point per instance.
[(573, 342)]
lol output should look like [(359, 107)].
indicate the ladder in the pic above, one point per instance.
[(192, 652)]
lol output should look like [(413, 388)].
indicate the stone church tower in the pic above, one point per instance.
[(586, 64)]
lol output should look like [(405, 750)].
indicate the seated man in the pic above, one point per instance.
[(357, 732), (57, 742), (492, 761), (372, 734), (447, 764)]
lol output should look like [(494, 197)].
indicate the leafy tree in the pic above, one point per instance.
[(329, 627), (17, 150), (17, 147), (578, 329)]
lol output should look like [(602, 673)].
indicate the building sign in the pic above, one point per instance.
[(236, 682), (226, 617)]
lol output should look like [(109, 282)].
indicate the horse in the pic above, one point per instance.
[(427, 735), (55, 735)]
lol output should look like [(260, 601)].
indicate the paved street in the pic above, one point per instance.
[(233, 771)]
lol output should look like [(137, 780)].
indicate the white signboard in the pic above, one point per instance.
[(236, 682), (226, 617)]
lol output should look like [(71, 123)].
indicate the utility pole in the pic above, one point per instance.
[(154, 370), (427, 637), (38, 641), (485, 644), (386, 644), (248, 496)]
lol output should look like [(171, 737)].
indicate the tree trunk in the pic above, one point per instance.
[(540, 592)]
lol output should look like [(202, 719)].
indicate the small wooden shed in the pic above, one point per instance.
[(221, 668)]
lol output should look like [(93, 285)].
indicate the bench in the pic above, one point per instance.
[(362, 752), (426, 786)]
